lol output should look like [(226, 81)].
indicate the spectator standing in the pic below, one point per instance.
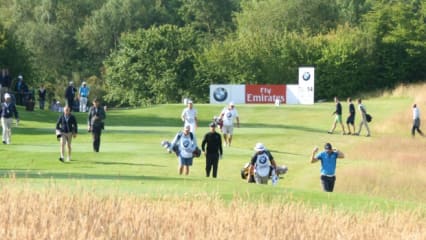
[(189, 116), (416, 121), (364, 121), (337, 117), (8, 110), (66, 126), (42, 97), (260, 164), (70, 92), (350, 121), (214, 150), (2, 80), (186, 143), (21, 89), (83, 93), (96, 123), (5, 81), (228, 115), (328, 159)]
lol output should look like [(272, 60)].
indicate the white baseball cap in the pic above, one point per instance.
[(259, 147), (7, 96)]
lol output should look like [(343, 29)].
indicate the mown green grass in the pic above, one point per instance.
[(132, 161)]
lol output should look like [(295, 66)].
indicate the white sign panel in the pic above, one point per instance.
[(306, 85), (292, 94), (223, 94)]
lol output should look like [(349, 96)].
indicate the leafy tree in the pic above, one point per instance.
[(212, 17), (266, 16), (155, 65)]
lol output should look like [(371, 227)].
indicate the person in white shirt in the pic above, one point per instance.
[(416, 121), (186, 144), (228, 115), (260, 164), (364, 121), (189, 116)]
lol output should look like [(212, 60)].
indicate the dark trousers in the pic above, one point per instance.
[(70, 103), (416, 127), (328, 183), (212, 160), (96, 134)]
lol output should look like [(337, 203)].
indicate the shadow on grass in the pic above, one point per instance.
[(128, 164), (10, 174)]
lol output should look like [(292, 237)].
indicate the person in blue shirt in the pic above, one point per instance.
[(83, 93), (328, 159)]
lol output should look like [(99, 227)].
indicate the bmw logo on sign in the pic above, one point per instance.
[(220, 94), (306, 76)]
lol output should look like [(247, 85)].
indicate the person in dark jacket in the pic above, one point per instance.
[(7, 111), (66, 128), (70, 94), (214, 150), (95, 123)]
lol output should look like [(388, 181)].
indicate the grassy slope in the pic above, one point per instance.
[(132, 161)]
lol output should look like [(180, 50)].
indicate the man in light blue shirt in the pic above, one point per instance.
[(328, 159), (83, 93)]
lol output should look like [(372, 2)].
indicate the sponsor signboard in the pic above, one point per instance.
[(267, 93), (223, 94), (306, 85)]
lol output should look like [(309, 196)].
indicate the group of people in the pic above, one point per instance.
[(350, 121), (82, 94), (67, 128), (184, 144)]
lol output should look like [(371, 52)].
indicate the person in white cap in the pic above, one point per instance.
[(260, 164), (185, 143), (83, 94), (8, 110), (228, 115), (189, 116)]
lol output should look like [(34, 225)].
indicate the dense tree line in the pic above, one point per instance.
[(141, 52)]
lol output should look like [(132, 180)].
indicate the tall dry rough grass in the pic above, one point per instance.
[(54, 214), (393, 166)]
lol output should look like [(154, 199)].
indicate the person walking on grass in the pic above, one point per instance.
[(416, 121), (7, 112), (66, 127), (260, 165), (350, 121), (337, 117), (186, 145), (95, 123), (364, 121), (228, 115), (328, 159), (189, 116), (214, 150)]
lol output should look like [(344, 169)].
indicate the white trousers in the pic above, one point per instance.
[(6, 124), (83, 104)]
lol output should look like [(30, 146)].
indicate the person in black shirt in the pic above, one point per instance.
[(7, 111), (213, 151), (67, 128), (351, 118), (338, 117), (42, 97), (95, 123), (70, 92)]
